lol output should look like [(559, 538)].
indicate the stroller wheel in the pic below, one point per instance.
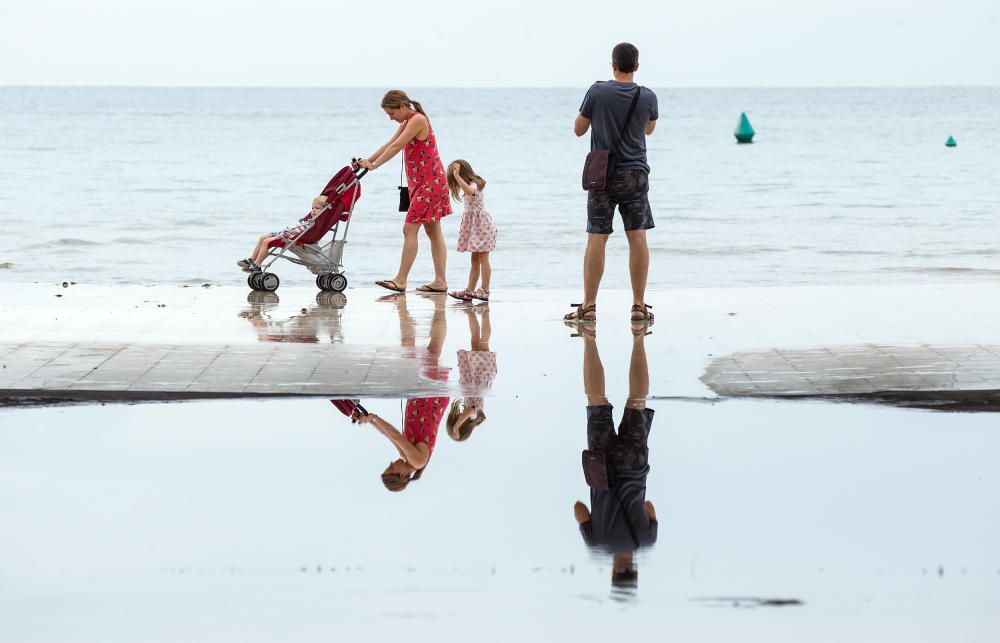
[(331, 299), (252, 280), (262, 297), (268, 281), (323, 282), (337, 283)]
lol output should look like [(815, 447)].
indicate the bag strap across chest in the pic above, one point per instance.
[(628, 116)]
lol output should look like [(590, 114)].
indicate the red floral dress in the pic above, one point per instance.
[(426, 180), (421, 420)]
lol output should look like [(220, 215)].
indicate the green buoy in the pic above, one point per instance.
[(951, 142), (744, 131)]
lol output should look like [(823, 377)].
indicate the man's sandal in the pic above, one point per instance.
[(647, 316), (640, 328), (580, 314), (582, 330)]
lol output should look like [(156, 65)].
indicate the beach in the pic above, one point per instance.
[(823, 374), (135, 518)]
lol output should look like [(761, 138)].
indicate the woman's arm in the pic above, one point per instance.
[(466, 188), (378, 152), (410, 452), (413, 127)]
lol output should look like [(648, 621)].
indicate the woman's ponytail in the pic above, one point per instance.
[(396, 98)]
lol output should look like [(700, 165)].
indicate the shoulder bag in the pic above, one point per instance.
[(600, 164)]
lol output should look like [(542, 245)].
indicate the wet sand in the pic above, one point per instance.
[(779, 518), (160, 342)]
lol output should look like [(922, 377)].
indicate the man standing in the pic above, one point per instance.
[(604, 112)]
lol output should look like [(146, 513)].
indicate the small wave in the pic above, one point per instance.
[(855, 253), (132, 241), (176, 190), (6, 265), (67, 242), (947, 270), (726, 251)]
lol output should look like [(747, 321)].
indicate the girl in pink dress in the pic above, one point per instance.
[(477, 368), (428, 187), (477, 233)]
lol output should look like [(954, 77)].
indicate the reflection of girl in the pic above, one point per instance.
[(415, 444), (477, 369)]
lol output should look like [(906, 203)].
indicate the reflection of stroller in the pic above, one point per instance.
[(314, 324), (324, 261)]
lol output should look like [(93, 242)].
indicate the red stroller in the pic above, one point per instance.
[(324, 261)]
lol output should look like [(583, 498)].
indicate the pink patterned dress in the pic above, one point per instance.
[(426, 180), (421, 420), (477, 232), (476, 370)]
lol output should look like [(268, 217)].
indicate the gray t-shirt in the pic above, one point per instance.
[(606, 105)]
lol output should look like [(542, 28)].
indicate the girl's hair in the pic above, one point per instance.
[(468, 175), (465, 430), (396, 98), (398, 482)]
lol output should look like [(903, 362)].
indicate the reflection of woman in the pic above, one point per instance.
[(421, 416), (415, 444), (477, 369), (427, 183)]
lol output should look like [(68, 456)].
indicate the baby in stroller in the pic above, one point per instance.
[(271, 239)]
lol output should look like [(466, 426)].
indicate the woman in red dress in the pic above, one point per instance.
[(427, 183)]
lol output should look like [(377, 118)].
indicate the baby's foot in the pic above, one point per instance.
[(245, 264)]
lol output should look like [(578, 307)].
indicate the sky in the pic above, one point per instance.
[(513, 43)]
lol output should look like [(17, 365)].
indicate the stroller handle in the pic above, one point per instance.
[(360, 172)]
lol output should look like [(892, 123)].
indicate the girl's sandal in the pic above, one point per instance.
[(644, 309), (580, 314), (464, 296), (480, 294)]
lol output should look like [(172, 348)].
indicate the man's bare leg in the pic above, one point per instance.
[(638, 372), (593, 269), (593, 373), (638, 267)]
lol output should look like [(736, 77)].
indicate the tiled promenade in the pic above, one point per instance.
[(167, 342)]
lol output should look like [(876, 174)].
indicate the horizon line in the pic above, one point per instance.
[(482, 87)]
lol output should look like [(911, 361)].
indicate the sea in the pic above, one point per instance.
[(107, 185)]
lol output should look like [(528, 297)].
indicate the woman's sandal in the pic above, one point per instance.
[(644, 309), (485, 296), (580, 314), (389, 284), (465, 296)]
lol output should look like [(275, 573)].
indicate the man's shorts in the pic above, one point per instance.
[(626, 449), (629, 191)]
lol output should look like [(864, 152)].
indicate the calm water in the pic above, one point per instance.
[(172, 185)]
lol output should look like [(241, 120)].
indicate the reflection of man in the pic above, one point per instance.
[(620, 519)]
